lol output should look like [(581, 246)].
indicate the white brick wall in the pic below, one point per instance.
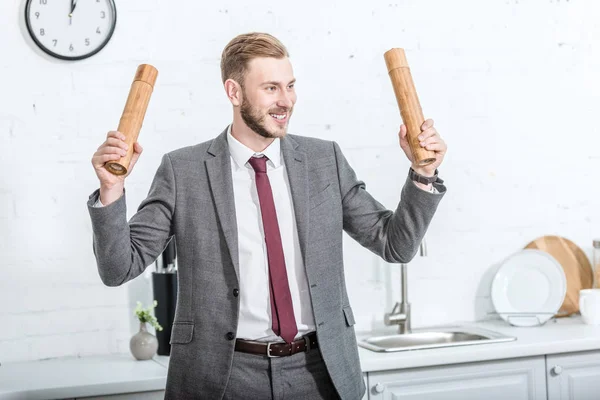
[(512, 86)]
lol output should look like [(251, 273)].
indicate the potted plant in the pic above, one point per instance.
[(143, 345)]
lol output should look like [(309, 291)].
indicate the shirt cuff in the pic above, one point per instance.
[(98, 203), (432, 189)]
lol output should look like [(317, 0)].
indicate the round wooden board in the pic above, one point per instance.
[(574, 262)]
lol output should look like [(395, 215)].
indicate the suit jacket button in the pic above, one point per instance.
[(230, 336), (236, 292)]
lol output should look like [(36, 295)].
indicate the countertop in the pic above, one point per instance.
[(561, 335), (112, 374), (70, 377)]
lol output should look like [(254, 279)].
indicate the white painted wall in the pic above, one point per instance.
[(512, 86)]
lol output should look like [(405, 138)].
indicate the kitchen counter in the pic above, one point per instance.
[(112, 374), (562, 335), (71, 377)]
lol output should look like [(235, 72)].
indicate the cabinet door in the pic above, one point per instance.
[(574, 376), (515, 379)]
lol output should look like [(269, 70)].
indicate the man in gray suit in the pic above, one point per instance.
[(262, 308)]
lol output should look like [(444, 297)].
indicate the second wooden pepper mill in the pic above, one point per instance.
[(408, 102)]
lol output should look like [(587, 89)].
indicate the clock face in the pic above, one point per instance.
[(71, 29)]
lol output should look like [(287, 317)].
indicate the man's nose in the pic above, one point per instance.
[(285, 100)]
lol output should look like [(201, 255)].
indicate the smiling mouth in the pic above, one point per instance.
[(279, 117)]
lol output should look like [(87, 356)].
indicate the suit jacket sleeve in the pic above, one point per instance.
[(393, 235), (123, 250)]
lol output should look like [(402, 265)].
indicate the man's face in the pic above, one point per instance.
[(268, 96)]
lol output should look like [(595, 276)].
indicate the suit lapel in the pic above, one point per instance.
[(221, 185), (297, 171)]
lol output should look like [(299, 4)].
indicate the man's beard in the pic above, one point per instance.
[(256, 122)]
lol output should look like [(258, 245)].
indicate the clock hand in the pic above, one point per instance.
[(73, 5)]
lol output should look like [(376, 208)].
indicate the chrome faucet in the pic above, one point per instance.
[(400, 314)]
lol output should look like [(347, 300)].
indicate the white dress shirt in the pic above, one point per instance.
[(255, 307)]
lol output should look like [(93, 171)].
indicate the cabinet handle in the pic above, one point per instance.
[(557, 370), (379, 388)]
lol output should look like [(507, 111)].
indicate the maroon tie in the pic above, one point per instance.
[(282, 311)]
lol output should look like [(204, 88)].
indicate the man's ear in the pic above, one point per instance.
[(234, 92)]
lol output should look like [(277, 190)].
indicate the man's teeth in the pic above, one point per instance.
[(278, 116)]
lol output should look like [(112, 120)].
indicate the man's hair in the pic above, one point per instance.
[(244, 48)]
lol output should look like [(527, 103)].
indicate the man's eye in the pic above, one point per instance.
[(291, 86), (271, 88)]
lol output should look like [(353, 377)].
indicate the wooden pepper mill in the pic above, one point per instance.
[(408, 102), (133, 114)]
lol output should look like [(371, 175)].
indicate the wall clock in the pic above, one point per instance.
[(70, 29)]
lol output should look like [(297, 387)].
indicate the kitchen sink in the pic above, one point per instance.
[(433, 338)]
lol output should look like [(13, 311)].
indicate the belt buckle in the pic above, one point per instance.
[(269, 350)]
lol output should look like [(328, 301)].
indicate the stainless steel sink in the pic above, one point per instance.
[(433, 338)]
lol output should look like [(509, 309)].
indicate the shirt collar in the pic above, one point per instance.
[(241, 153)]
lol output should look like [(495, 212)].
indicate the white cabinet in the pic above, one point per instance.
[(515, 379), (574, 376)]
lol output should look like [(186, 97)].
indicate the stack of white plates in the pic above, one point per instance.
[(529, 288)]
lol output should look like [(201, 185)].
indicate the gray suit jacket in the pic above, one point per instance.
[(192, 197)]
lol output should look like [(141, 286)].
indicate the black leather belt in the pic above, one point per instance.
[(278, 349)]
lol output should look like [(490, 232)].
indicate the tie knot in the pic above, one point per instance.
[(259, 164)]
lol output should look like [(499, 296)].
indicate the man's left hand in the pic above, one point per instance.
[(429, 139)]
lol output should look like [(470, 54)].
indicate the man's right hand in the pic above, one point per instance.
[(111, 186)]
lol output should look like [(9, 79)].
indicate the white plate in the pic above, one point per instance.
[(529, 288)]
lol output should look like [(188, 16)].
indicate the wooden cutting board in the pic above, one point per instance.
[(574, 262)]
